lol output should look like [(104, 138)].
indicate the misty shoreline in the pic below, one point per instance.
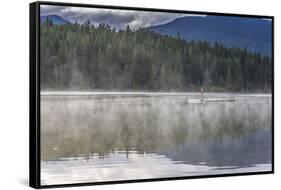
[(92, 93)]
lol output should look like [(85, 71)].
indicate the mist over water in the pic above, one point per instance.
[(88, 137), (111, 135)]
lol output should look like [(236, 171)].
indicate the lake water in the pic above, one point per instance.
[(93, 137)]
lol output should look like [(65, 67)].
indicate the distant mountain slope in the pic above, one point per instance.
[(54, 18), (253, 33)]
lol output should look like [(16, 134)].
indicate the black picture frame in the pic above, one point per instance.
[(34, 94)]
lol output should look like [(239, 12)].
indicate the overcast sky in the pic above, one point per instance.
[(116, 18)]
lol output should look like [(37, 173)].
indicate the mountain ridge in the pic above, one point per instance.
[(252, 33), (56, 19)]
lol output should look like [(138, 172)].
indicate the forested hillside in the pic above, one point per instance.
[(254, 33), (84, 57)]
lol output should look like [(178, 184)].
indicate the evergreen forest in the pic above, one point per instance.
[(101, 58)]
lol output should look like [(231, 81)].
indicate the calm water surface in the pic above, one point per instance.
[(92, 137)]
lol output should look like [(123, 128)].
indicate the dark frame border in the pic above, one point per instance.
[(34, 94)]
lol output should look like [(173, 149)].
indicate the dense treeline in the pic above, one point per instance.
[(85, 57)]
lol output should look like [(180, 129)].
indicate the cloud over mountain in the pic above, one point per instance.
[(116, 18)]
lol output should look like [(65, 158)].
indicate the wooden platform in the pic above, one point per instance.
[(211, 100)]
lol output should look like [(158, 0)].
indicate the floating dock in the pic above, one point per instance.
[(210, 100)]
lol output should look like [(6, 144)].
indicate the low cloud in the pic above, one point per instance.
[(115, 18)]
